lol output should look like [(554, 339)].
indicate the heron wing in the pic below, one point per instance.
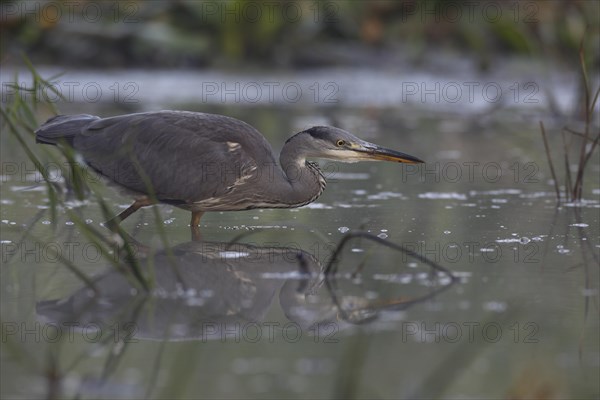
[(182, 156)]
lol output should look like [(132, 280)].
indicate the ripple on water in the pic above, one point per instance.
[(522, 240), (318, 206), (443, 196), (283, 275), (561, 249), (494, 192), (386, 196), (40, 188), (233, 254), (396, 278), (583, 204), (536, 195), (495, 306)]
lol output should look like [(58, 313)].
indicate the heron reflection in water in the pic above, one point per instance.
[(216, 287), (206, 162)]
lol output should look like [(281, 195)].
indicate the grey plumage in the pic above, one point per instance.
[(207, 162), (63, 128)]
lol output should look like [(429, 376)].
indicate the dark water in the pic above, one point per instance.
[(247, 311)]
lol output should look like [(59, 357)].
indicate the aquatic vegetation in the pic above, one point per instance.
[(19, 118), (587, 141)]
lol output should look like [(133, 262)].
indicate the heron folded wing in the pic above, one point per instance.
[(180, 156)]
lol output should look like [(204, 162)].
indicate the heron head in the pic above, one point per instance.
[(337, 144)]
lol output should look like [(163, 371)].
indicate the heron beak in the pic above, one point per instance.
[(372, 151)]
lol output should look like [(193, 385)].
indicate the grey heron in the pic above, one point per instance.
[(206, 162)]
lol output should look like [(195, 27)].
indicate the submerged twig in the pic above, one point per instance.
[(332, 267), (369, 312)]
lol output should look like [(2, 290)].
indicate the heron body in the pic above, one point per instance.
[(206, 162)]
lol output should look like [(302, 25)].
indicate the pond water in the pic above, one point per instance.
[(247, 311)]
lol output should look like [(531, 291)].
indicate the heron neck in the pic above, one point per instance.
[(305, 180)]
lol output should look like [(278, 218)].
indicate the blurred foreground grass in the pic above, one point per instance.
[(19, 120)]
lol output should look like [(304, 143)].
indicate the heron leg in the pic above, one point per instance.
[(196, 215), (139, 203), (196, 236)]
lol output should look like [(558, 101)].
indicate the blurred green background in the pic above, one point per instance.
[(292, 34)]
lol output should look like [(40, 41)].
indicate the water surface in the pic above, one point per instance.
[(257, 318)]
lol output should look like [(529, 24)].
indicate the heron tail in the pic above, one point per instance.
[(63, 128)]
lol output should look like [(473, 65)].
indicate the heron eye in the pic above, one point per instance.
[(340, 143)]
